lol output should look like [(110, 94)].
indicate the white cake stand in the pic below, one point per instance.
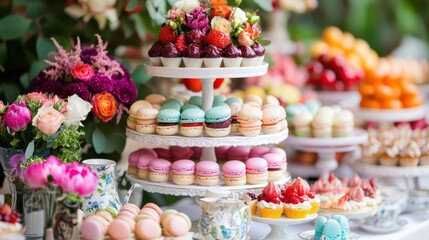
[(356, 215), (345, 99), (380, 115), (278, 225), (326, 148)]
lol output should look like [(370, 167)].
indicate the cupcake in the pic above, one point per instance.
[(302, 124), (10, 228), (410, 155), (170, 56), (260, 53), (295, 199), (314, 203), (390, 156), (232, 56), (234, 173), (256, 171), (269, 204), (371, 151), (155, 53), (212, 56), (192, 56), (250, 200), (343, 124), (249, 56)]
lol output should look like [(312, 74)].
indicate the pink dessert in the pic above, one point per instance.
[(159, 166), (280, 152), (134, 156), (197, 152), (234, 168), (163, 153), (183, 167), (275, 166), (221, 152), (178, 153), (258, 151), (207, 168), (256, 165), (238, 153)]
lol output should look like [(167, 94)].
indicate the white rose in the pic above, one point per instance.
[(77, 110), (221, 24), (239, 14), (187, 5)]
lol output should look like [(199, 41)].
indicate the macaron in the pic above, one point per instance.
[(93, 228), (155, 99), (151, 213), (121, 228), (132, 162), (254, 98), (144, 158), (192, 122), (250, 121), (131, 207), (275, 166), (166, 213), (146, 120), (175, 100), (104, 214), (235, 109), (198, 151), (163, 153), (154, 207), (138, 105), (183, 172), (319, 224), (178, 153), (168, 122), (218, 99), (207, 173), (188, 106), (175, 226), (258, 151), (221, 152), (233, 100), (196, 100), (256, 171), (147, 229), (159, 170), (234, 173), (238, 153), (171, 105), (272, 118), (270, 100), (218, 121)]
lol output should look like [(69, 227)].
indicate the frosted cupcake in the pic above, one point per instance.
[(212, 56), (192, 56), (232, 56), (409, 155), (260, 53), (249, 56), (343, 124), (170, 56), (302, 123), (155, 53), (371, 151), (390, 157)]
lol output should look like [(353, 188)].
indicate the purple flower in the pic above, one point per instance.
[(44, 84), (78, 88), (100, 82), (118, 76), (87, 54), (197, 19), (17, 117), (125, 91)]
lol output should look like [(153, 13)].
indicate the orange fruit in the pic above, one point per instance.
[(354, 59), (409, 89), (366, 90), (333, 36), (361, 46), (369, 103), (348, 41), (383, 92), (318, 48), (412, 101), (391, 104)]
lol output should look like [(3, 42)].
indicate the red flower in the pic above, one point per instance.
[(82, 71)]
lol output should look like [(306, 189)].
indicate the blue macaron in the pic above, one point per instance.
[(192, 115), (168, 116), (218, 114)]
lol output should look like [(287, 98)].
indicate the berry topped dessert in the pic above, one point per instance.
[(269, 204), (10, 228), (209, 24), (250, 199), (170, 56), (295, 199)]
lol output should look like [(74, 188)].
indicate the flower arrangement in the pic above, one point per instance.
[(96, 77), (44, 124)]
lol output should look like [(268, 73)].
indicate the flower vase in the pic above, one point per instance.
[(105, 195), (277, 33), (66, 221), (49, 199)]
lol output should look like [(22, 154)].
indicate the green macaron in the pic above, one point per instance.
[(196, 100), (188, 106), (176, 100), (218, 114), (168, 116), (171, 105), (218, 99), (192, 115)]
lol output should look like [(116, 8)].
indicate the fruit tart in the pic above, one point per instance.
[(269, 204), (296, 202), (10, 228)]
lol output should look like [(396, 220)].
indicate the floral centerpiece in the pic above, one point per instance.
[(57, 181), (96, 77)]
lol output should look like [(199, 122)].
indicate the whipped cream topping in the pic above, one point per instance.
[(314, 200), (303, 205), (265, 204), (411, 150), (11, 227)]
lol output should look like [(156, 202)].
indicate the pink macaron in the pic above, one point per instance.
[(274, 161), (159, 166), (175, 226), (234, 168), (163, 153), (259, 151), (238, 153), (178, 153), (93, 228), (207, 168), (154, 207), (221, 152), (280, 152), (120, 229), (183, 167), (151, 213), (256, 165), (148, 229)]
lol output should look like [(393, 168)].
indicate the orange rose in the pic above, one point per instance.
[(217, 3), (104, 106)]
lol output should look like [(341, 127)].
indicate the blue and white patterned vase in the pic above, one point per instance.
[(105, 195), (224, 218)]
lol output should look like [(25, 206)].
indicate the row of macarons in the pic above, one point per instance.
[(228, 115), (312, 120), (270, 167), (150, 222), (196, 56)]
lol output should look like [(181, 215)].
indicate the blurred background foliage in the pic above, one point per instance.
[(26, 27)]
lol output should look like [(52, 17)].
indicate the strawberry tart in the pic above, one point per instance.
[(269, 204), (208, 35), (296, 202), (10, 228)]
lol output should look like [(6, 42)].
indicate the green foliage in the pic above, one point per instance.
[(67, 144)]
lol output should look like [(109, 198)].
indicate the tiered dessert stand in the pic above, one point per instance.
[(402, 115), (207, 76), (326, 148)]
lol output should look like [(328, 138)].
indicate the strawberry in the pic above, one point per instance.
[(193, 84), (5, 210), (310, 195), (180, 43), (372, 183), (167, 35), (218, 38), (218, 82), (272, 191), (301, 186)]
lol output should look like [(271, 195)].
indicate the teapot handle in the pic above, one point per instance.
[(130, 191), (249, 217)]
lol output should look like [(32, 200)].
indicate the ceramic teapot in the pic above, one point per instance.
[(224, 218)]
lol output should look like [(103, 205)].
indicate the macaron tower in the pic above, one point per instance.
[(218, 121), (207, 36), (269, 204), (192, 122)]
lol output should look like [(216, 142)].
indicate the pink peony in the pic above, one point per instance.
[(56, 169), (17, 117), (79, 179), (82, 71), (36, 175)]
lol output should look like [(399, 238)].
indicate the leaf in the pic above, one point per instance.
[(13, 27), (3, 56), (139, 26), (139, 75), (157, 9), (171, 2), (132, 4), (99, 141), (24, 80), (265, 5), (29, 150), (263, 42), (43, 47), (36, 9), (36, 67)]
